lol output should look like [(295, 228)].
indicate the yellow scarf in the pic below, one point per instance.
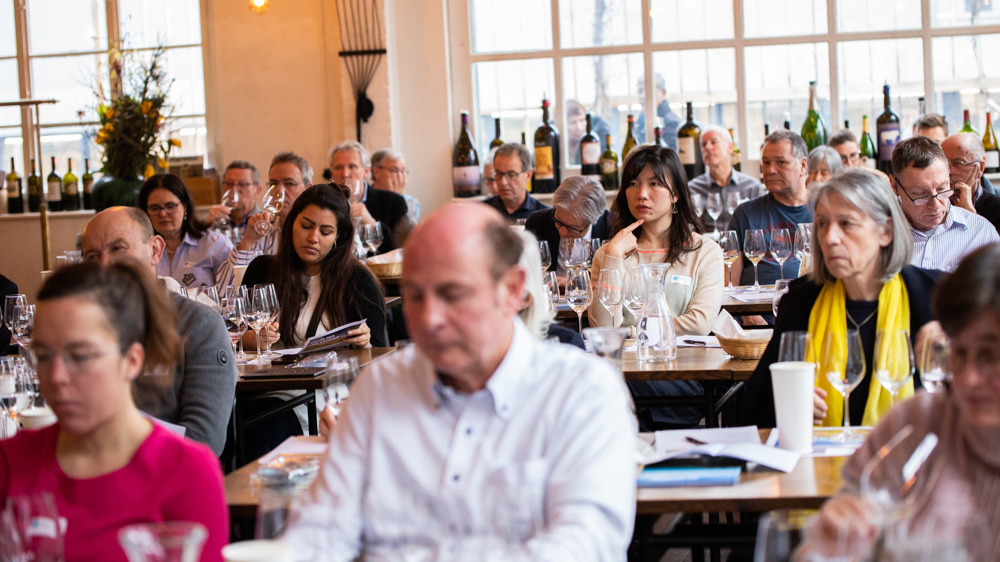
[(829, 316)]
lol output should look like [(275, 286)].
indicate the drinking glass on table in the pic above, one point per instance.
[(24, 324), (634, 294), (846, 356), (934, 370), (732, 201), (551, 282), (893, 360), (207, 295), (794, 345), (780, 288), (274, 200), (8, 397), (754, 247), (713, 206), (730, 244), (239, 292), (546, 255), (578, 293), (575, 253), (595, 244), (10, 302), (610, 287), (371, 235), (233, 314), (274, 308), (258, 315), (781, 247), (802, 246)]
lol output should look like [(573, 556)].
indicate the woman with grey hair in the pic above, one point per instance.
[(823, 162), (536, 314), (861, 280)]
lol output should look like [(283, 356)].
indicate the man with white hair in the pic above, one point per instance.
[(389, 173), (721, 178), (967, 163), (578, 211)]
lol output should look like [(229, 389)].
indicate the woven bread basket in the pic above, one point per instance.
[(743, 348)]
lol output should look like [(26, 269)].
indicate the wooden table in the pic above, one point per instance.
[(737, 307), (242, 494), (364, 356)]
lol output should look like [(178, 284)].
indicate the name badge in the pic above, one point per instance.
[(189, 264), (680, 280)]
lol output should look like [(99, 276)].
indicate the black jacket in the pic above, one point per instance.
[(387, 208), (988, 207), (543, 226)]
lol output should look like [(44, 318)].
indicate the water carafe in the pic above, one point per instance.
[(655, 327)]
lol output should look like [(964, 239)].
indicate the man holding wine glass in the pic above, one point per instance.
[(241, 177), (721, 178)]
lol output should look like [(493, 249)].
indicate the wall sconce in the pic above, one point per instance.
[(258, 6)]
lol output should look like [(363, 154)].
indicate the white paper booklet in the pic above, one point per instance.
[(736, 442), (323, 342)]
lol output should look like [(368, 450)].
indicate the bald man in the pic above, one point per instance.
[(478, 438), (966, 165), (200, 398)]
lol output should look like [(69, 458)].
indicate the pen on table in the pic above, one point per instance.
[(690, 439), (693, 342)]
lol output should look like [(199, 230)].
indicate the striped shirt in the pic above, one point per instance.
[(944, 246), (266, 246)]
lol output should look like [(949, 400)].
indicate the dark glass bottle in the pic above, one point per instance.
[(53, 195), (34, 190), (609, 167), (546, 177), (887, 133), (497, 142), (465, 163), (689, 145), (71, 189), (15, 201), (88, 185), (869, 154), (590, 152), (629, 139), (813, 128)]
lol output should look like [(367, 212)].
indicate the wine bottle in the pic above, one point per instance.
[(88, 185), (609, 166), (497, 142), (546, 177), (53, 196), (629, 139), (869, 155), (590, 153), (656, 135), (735, 157), (465, 163), (71, 189), (34, 190), (847, 125), (921, 110), (813, 129), (967, 126), (767, 131), (524, 142), (689, 145), (15, 202), (992, 149), (887, 133), (788, 121)]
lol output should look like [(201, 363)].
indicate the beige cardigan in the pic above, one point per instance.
[(694, 287)]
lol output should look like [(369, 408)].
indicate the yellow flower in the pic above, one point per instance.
[(175, 142), (109, 127), (149, 172), (162, 163), (145, 107), (101, 137), (110, 113), (159, 120)]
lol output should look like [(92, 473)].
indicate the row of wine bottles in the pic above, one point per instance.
[(61, 193), (989, 141)]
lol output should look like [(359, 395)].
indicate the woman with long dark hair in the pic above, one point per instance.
[(194, 255)]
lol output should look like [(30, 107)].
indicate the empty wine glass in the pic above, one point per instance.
[(274, 308), (780, 288), (35, 518), (170, 541), (575, 253), (551, 281), (371, 234), (231, 199), (803, 242), (546, 255), (781, 247), (357, 188), (233, 315), (24, 323), (754, 248), (10, 302), (900, 476), (730, 244), (713, 206), (274, 200), (8, 396), (779, 534), (732, 201), (239, 292), (934, 370), (258, 315), (609, 290), (635, 293), (578, 293), (893, 360), (794, 346), (846, 359), (207, 295)]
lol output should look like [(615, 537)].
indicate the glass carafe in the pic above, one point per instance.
[(172, 541), (655, 327)]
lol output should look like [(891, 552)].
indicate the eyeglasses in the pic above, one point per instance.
[(76, 360), (403, 171), (238, 185), (958, 163), (287, 184), (170, 208), (573, 229), (921, 201), (511, 176), (848, 158)]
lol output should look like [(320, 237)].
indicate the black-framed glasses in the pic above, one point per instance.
[(921, 201), (511, 176), (170, 208), (573, 229)]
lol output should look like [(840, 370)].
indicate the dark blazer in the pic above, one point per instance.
[(368, 303), (543, 226), (793, 314), (387, 208), (988, 207), (7, 287)]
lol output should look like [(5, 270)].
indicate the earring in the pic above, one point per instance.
[(675, 210)]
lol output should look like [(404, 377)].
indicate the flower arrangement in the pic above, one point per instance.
[(133, 120)]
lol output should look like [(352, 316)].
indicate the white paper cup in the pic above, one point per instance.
[(258, 551), (37, 418), (792, 382)]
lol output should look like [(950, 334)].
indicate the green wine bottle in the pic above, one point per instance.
[(465, 163), (869, 155), (71, 189), (813, 129), (689, 145), (609, 166), (15, 202), (736, 157), (88, 185), (629, 140), (34, 190), (53, 196), (497, 142), (992, 149), (967, 126)]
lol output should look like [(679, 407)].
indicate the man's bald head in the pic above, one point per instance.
[(118, 232), (966, 143)]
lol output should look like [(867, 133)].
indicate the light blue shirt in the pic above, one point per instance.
[(266, 246), (944, 246), (198, 261), (540, 462)]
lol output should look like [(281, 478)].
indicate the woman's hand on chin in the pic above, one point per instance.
[(623, 243)]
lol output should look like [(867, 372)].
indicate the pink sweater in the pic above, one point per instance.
[(168, 479)]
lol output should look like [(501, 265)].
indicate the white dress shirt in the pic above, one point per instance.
[(539, 465), (944, 246)]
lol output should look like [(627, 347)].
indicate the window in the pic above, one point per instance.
[(67, 56), (740, 69)]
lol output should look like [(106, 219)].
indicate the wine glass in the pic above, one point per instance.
[(543, 251), (24, 323), (900, 476), (8, 395), (372, 236), (794, 345), (780, 288), (233, 314), (575, 253), (713, 206), (781, 247), (609, 290), (846, 358), (753, 247), (893, 360), (10, 302), (258, 315), (730, 253), (732, 201), (208, 295), (779, 533), (273, 307), (551, 282), (934, 370), (803, 240), (578, 293), (231, 199), (357, 188), (239, 292), (274, 200), (635, 293)]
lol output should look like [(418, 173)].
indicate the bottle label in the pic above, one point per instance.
[(72, 188), (493, 151), (543, 163), (992, 159), (867, 162), (466, 180), (590, 153), (55, 191), (685, 150), (888, 136), (88, 185), (13, 189), (608, 166)]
